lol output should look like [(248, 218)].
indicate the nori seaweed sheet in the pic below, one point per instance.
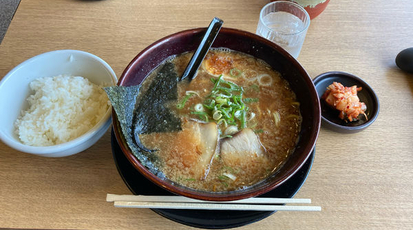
[(149, 114), (123, 100)]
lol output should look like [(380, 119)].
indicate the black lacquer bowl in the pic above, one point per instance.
[(249, 43), (209, 219)]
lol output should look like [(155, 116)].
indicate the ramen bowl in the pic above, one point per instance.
[(248, 43)]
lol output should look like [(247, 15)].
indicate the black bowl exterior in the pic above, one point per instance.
[(367, 95), (209, 219), (258, 47)]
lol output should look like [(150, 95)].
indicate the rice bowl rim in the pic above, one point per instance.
[(46, 150)]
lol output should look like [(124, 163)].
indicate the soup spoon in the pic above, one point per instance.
[(199, 55)]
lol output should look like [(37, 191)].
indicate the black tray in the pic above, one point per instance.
[(208, 219)]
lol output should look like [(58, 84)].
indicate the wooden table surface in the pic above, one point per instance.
[(361, 181)]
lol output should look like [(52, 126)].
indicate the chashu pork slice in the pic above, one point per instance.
[(242, 148), (209, 144), (200, 147)]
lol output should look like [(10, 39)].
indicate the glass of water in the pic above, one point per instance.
[(285, 23)]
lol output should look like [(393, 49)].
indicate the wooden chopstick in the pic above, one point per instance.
[(213, 206), (176, 199), (177, 202)]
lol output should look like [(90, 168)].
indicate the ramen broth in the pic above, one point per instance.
[(210, 154)]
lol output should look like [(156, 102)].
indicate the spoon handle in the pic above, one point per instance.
[(203, 48)]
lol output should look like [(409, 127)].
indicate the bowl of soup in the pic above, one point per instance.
[(242, 126)]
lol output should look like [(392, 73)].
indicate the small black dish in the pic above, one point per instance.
[(207, 219), (330, 117)]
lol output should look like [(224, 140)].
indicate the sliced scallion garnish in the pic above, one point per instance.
[(234, 72), (202, 115), (224, 105), (181, 104)]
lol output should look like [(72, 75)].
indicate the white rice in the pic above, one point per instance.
[(61, 109)]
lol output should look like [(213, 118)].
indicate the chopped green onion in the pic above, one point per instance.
[(217, 115), (231, 130), (233, 86), (235, 72), (221, 100), (202, 115), (226, 91), (237, 114), (223, 95), (216, 82), (223, 177), (181, 105), (189, 92), (243, 120), (222, 120), (209, 104), (225, 104), (225, 113), (199, 108)]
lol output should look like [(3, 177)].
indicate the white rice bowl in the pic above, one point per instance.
[(15, 90), (61, 109)]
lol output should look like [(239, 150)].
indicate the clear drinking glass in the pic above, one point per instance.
[(285, 23)]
